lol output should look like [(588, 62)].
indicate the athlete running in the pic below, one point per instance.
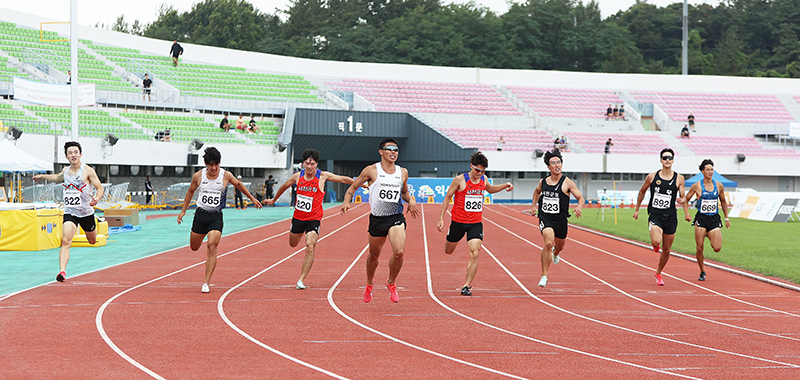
[(706, 222)]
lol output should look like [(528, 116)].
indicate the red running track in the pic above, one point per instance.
[(601, 315)]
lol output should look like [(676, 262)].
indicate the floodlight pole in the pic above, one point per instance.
[(73, 55), (685, 55)]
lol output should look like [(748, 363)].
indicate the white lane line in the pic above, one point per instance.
[(617, 326), (99, 317), (671, 276), (526, 337), (370, 329), (221, 311)]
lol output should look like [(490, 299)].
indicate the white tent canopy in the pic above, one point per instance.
[(13, 159)]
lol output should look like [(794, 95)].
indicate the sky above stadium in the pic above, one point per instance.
[(90, 12)]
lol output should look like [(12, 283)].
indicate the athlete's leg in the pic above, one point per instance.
[(397, 238), (294, 239), (196, 240), (558, 245), (450, 247), (699, 239), (472, 266), (211, 256), (67, 233), (375, 246), (308, 261), (548, 235), (715, 237), (662, 261), (656, 236), (91, 237)]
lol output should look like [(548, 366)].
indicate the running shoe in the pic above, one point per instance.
[(556, 259), (543, 282), (393, 292), (205, 288), (368, 294), (300, 285), (659, 280), (466, 291), (61, 276), (657, 248), (702, 276)]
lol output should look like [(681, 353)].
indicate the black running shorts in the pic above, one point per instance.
[(457, 231), (709, 222), (667, 222), (304, 226), (205, 221), (86, 222), (559, 225), (379, 225)]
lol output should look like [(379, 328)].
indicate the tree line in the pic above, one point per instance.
[(737, 37)]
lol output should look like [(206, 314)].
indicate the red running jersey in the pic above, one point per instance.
[(309, 198), (468, 204)]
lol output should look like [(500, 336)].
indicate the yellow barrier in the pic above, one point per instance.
[(102, 236), (30, 230)]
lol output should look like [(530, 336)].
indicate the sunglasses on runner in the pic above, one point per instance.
[(667, 158), (392, 148), (478, 170)]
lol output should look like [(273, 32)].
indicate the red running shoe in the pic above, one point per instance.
[(61, 276), (657, 248), (368, 294), (659, 281), (393, 292)]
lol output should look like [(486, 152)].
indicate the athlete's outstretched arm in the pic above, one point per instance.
[(368, 174), (189, 194), (286, 185), (240, 185), (496, 188), (328, 176), (454, 186), (50, 177)]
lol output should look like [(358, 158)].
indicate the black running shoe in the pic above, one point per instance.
[(702, 276), (61, 277), (465, 291)]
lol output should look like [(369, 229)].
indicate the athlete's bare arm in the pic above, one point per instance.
[(496, 188), (458, 184), (408, 197), (695, 189), (573, 189), (240, 185), (681, 194), (536, 194), (50, 177), (642, 192), (189, 194), (370, 173), (91, 176), (286, 185), (721, 193)]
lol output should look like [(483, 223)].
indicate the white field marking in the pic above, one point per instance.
[(5, 296), (526, 337), (632, 297), (99, 317), (673, 277), (692, 259), (396, 340), (221, 311)]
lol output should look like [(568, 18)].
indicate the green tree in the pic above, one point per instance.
[(699, 63), (730, 60)]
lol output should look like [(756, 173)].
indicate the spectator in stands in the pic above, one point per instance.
[(616, 112), (252, 126), (685, 132), (690, 118), (146, 83), (609, 112), (240, 123), (608, 146), (69, 77), (622, 112), (148, 190), (163, 135), (238, 202), (176, 51), (224, 124), (500, 143)]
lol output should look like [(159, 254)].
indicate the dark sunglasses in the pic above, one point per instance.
[(392, 148), (667, 158), (478, 170)]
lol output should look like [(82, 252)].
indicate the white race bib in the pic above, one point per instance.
[(708, 206), (303, 203), (389, 195), (72, 197), (473, 203), (209, 199), (551, 205), (661, 201)]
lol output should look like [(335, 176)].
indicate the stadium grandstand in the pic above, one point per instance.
[(438, 114)]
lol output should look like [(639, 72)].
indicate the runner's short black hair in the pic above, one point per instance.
[(313, 153), (478, 158), (388, 140), (705, 162), (666, 150), (70, 144), (550, 154), (212, 156)]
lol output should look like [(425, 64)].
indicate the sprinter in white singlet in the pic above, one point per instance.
[(388, 185)]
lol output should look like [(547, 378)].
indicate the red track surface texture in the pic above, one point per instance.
[(600, 317)]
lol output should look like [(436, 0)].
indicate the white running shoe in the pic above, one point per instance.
[(300, 285), (205, 288), (556, 259), (543, 282)]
